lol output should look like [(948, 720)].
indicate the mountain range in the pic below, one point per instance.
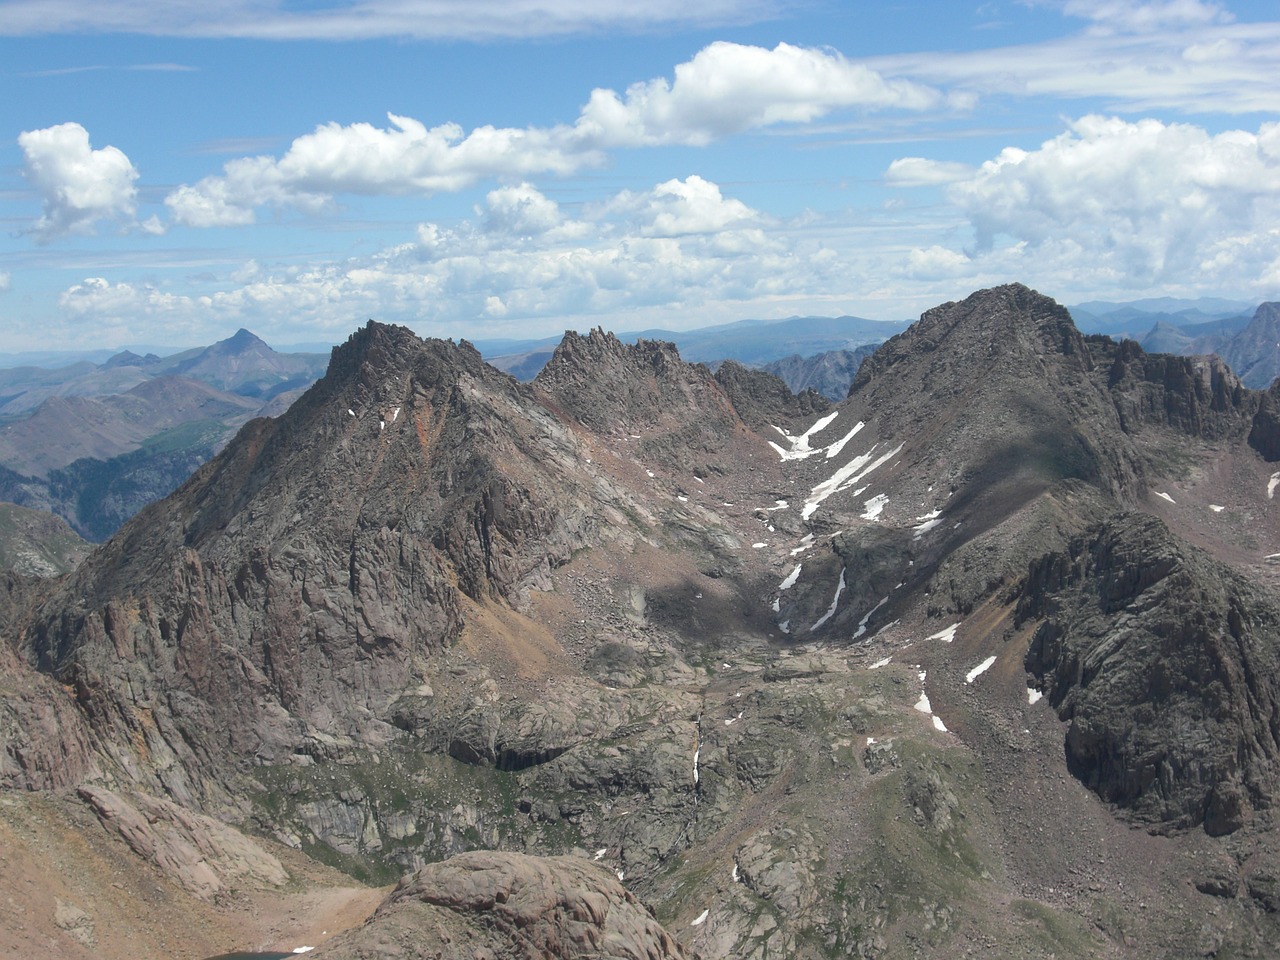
[(634, 660), (95, 442)]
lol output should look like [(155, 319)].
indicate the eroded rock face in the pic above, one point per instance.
[(510, 905), (1165, 664), (293, 588)]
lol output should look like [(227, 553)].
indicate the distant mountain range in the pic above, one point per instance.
[(95, 442), (94, 437)]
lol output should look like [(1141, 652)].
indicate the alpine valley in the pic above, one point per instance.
[(637, 661)]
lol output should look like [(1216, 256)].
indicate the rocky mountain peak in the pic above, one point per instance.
[(1254, 353), (642, 387), (999, 327)]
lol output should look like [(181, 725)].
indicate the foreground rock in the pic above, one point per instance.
[(507, 905)]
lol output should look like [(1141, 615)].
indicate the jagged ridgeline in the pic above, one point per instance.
[(979, 658)]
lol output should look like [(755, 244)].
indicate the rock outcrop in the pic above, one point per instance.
[(1164, 664), (507, 905)]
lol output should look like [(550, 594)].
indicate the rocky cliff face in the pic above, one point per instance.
[(292, 588), (763, 659), (1163, 663), (1254, 352)]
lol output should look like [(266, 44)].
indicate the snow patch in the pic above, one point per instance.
[(881, 663), (831, 610), (979, 670), (1165, 496), (737, 877), (1033, 695), (792, 577), (923, 704), (757, 546), (927, 522), (947, 635), (799, 448), (350, 411), (600, 853), (862, 624), (1272, 484), (395, 414), (835, 448), (1215, 508), (702, 918), (875, 506), (938, 724), (847, 476)]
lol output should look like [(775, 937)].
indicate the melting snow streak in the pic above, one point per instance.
[(948, 634), (800, 448), (979, 670), (847, 476), (831, 610)]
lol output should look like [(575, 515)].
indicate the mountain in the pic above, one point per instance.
[(829, 373), (246, 365), (96, 443), (978, 659), (36, 543), (1254, 352)]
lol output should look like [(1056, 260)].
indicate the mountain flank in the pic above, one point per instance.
[(978, 659)]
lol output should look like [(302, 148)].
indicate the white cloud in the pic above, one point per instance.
[(363, 19), (79, 186), (683, 207), (725, 89), (520, 210), (1187, 57), (1136, 16), (920, 172), (4, 281), (405, 158), (937, 263), (728, 88), (1111, 202), (681, 245)]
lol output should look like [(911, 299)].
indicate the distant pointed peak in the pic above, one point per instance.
[(243, 339)]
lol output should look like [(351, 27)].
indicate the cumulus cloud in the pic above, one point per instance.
[(520, 210), (406, 157), (1145, 201), (682, 207), (79, 186), (725, 89), (682, 244), (4, 281), (728, 88)]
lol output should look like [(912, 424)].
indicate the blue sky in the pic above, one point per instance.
[(172, 171)]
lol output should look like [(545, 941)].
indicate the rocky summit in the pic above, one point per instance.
[(636, 661)]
